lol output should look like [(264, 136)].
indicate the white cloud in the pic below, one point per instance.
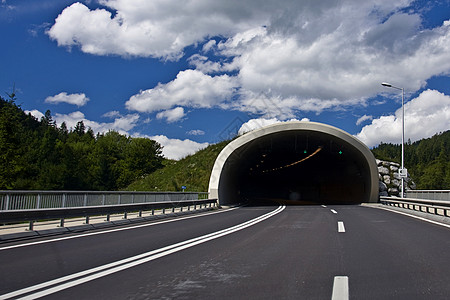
[(171, 115), (253, 124), (122, 124), (304, 55), (191, 88), (363, 119), (195, 132), (161, 28), (35, 113), (111, 114), (178, 149), (425, 116), (63, 97)]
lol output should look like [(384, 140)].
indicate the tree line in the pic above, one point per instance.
[(427, 160), (37, 154)]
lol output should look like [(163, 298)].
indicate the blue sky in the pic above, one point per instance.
[(193, 74)]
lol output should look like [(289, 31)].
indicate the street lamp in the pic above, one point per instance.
[(403, 171)]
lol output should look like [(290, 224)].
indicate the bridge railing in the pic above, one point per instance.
[(34, 215), (429, 194), (21, 200), (437, 207)]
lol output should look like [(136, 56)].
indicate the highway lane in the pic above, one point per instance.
[(299, 253)]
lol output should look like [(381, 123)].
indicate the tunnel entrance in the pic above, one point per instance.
[(295, 163)]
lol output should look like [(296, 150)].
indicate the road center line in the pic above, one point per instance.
[(340, 288), (59, 284), (341, 227), (333, 211)]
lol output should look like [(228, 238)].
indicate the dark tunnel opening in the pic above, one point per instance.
[(302, 169), (294, 168)]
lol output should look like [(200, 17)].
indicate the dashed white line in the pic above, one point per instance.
[(324, 206), (333, 211), (341, 227), (340, 288)]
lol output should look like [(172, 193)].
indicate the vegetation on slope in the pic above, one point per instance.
[(37, 154), (427, 160), (193, 172)]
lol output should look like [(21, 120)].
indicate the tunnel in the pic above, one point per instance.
[(295, 163)]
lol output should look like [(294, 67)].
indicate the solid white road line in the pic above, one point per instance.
[(101, 271), (114, 230), (412, 216), (340, 288), (341, 227), (333, 211)]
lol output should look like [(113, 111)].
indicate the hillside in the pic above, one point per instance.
[(192, 171), (426, 161)]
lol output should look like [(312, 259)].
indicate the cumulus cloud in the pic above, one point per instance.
[(176, 148), (363, 119), (122, 124), (161, 28), (171, 115), (425, 116), (35, 113), (253, 124), (304, 55), (191, 88), (63, 97)]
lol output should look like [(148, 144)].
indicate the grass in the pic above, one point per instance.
[(192, 171)]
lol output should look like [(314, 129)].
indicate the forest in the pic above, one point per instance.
[(427, 160), (37, 154)]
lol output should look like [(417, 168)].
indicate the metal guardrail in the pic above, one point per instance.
[(33, 215), (429, 194), (437, 207), (13, 200)]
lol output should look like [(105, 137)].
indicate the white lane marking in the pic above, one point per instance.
[(341, 227), (324, 206), (101, 271), (340, 288), (333, 211), (114, 230), (412, 216)]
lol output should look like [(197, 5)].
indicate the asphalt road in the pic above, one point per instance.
[(295, 252)]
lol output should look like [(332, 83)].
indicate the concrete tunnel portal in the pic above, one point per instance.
[(295, 163)]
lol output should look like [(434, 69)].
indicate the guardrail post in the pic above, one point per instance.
[(153, 212), (140, 214), (31, 226), (125, 215), (87, 220), (61, 222), (164, 211), (173, 209), (108, 217)]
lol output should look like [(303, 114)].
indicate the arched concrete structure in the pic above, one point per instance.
[(295, 162)]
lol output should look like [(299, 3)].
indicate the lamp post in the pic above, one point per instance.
[(403, 171)]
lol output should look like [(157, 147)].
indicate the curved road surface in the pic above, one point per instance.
[(268, 252)]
